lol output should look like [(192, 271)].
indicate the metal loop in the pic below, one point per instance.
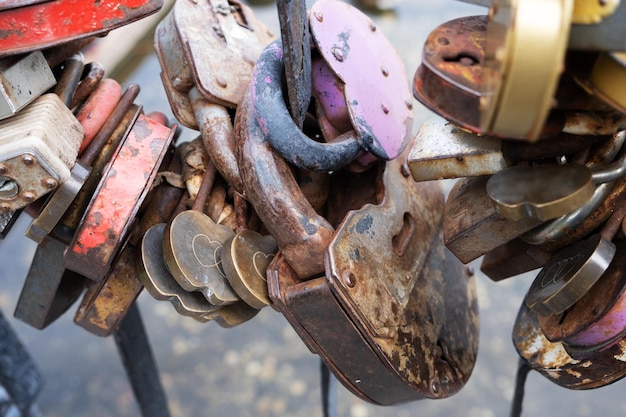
[(279, 128)]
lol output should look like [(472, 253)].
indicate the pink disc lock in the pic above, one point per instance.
[(375, 81)]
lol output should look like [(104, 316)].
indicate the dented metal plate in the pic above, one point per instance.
[(378, 95), (553, 361), (221, 42), (388, 267), (124, 185), (38, 26)]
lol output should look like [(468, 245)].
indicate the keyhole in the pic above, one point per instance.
[(8, 188), (464, 58), (400, 242)]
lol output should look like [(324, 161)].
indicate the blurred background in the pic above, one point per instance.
[(262, 368)]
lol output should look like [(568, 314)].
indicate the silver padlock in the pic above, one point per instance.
[(23, 80), (38, 146)]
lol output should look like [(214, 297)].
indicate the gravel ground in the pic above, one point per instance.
[(262, 368)]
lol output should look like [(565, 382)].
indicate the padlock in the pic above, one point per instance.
[(404, 227), (122, 189), (49, 289), (58, 203), (301, 234), (574, 270), (192, 245), (92, 75), (516, 94), (38, 147), (35, 26), (23, 79), (553, 362), (472, 226), (513, 258)]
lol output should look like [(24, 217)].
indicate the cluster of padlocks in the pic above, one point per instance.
[(305, 190)]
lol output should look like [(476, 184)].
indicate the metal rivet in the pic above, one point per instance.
[(409, 104), (29, 197), (384, 70), (338, 54), (372, 26), (50, 183), (221, 82), (349, 279), (28, 160), (405, 170), (470, 270), (3, 169), (318, 16), (443, 41), (434, 386), (385, 108), (5, 208)]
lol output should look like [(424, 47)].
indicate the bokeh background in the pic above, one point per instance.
[(262, 368)]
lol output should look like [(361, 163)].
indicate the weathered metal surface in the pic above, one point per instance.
[(192, 244), (596, 319), (450, 78), (19, 375), (385, 265), (301, 234), (276, 124), (57, 204), (122, 188), (105, 303), (67, 82), (378, 95), (49, 289), (141, 368), (218, 136), (37, 26), (37, 148), (442, 150), (543, 192), (472, 226), (22, 80), (97, 109), (245, 259), (109, 138), (517, 95), (594, 123), (569, 274), (93, 74), (512, 258), (553, 362), (296, 40)]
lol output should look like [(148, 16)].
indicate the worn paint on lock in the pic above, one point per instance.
[(301, 234), (328, 90), (274, 120), (381, 266), (106, 303), (553, 362), (221, 41), (38, 147), (450, 78), (377, 94), (124, 184), (39, 26)]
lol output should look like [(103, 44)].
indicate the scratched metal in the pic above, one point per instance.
[(553, 362), (122, 188), (449, 79), (220, 41), (472, 226), (378, 95), (381, 266), (38, 146), (37, 26), (330, 98), (274, 120), (301, 234), (600, 306)]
